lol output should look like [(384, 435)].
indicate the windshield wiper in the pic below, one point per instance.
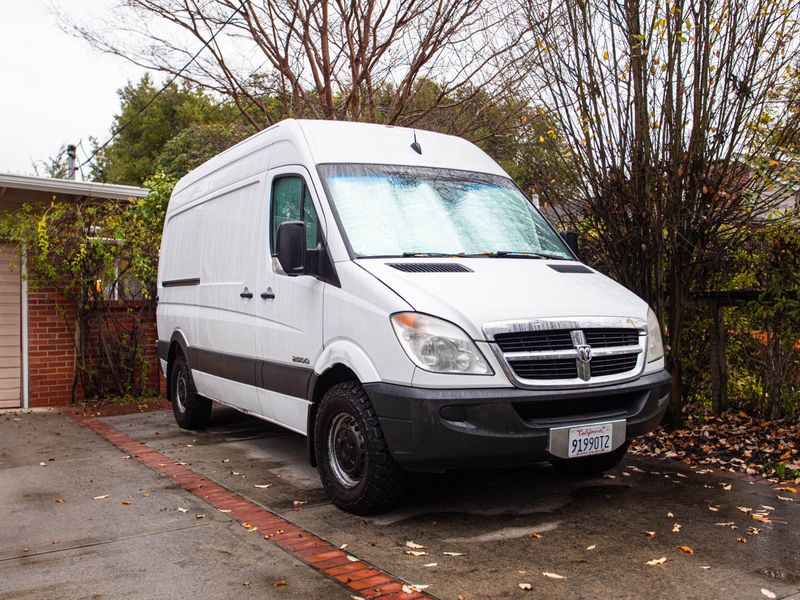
[(510, 254), (439, 254)]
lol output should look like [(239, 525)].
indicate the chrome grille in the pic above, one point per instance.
[(568, 352)]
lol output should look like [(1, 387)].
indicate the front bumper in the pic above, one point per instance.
[(438, 429)]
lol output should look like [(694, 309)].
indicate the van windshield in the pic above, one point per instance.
[(389, 211)]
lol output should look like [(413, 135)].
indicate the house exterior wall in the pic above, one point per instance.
[(51, 349), (52, 343)]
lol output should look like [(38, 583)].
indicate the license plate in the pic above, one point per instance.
[(586, 440)]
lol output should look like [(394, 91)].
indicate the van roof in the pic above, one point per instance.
[(318, 142)]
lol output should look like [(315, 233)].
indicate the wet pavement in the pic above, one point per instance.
[(139, 539), (502, 527), (488, 517)]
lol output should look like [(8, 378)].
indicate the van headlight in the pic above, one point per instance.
[(655, 348), (438, 346)]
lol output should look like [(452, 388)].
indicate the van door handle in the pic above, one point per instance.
[(246, 293), (268, 295)]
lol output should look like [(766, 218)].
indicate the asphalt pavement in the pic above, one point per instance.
[(483, 533)]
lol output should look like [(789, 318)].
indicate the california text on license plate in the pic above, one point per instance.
[(589, 439)]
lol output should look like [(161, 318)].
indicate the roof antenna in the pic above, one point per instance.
[(415, 146)]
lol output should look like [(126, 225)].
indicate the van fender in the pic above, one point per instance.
[(339, 353), (176, 341), (348, 353)]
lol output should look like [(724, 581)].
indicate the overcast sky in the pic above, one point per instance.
[(54, 89)]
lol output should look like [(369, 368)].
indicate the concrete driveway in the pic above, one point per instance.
[(484, 533)]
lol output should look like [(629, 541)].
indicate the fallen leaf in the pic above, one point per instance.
[(785, 499), (525, 586), (184, 510), (686, 549), (343, 546), (787, 489), (657, 561), (741, 540), (676, 528), (59, 501), (100, 497), (247, 582), (414, 546), (42, 464), (352, 558), (725, 523), (416, 552), (552, 575), (767, 593), (745, 509), (247, 525), (357, 597), (262, 486), (222, 510), (713, 508), (409, 588), (592, 547), (536, 536), (765, 507), (650, 533), (280, 583), (453, 553), (199, 516), (145, 495), (727, 488), (705, 567), (125, 502), (431, 565), (300, 502), (670, 515)]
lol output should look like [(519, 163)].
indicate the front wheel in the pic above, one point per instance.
[(191, 410), (353, 460), (591, 465)]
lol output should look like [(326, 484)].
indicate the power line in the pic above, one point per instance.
[(165, 86)]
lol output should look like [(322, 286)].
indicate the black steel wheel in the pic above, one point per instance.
[(353, 460), (191, 410)]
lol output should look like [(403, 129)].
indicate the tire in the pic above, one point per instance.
[(591, 465), (353, 460), (191, 410)]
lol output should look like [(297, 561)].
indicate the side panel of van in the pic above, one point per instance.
[(212, 242)]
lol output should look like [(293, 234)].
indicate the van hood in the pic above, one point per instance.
[(500, 289)]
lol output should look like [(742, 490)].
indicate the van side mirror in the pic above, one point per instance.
[(290, 245), (571, 240)]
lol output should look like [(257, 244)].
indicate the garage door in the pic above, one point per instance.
[(10, 342)]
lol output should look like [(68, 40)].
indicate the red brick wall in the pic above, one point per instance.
[(51, 348)]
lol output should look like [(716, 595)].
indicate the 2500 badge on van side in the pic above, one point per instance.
[(393, 296)]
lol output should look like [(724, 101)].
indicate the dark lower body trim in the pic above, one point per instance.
[(268, 375)]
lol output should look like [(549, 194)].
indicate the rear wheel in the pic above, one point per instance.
[(353, 460), (191, 410), (591, 465)]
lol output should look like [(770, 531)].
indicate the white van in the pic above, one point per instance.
[(394, 297)]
